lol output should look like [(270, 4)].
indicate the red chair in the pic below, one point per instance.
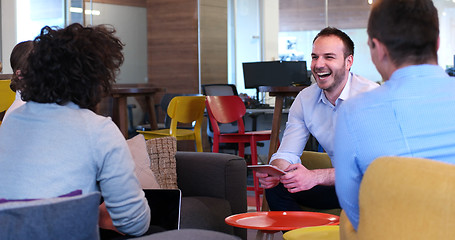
[(228, 109)]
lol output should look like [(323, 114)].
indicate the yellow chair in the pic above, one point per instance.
[(6, 96), (331, 232), (183, 109), (317, 160), (404, 198)]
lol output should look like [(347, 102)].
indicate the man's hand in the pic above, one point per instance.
[(267, 181), (298, 178)]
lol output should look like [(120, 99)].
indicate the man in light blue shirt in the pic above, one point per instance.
[(412, 114), (314, 111)]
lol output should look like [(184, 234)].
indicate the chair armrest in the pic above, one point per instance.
[(216, 175)]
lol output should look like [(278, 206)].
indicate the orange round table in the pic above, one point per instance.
[(273, 221)]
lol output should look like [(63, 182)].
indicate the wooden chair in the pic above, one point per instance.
[(227, 109), (183, 109), (221, 90), (6, 96)]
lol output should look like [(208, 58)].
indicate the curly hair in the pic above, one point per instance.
[(75, 64), (331, 31), (18, 60)]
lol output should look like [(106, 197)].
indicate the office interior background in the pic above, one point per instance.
[(181, 44)]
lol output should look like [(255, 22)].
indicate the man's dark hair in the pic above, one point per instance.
[(75, 64), (18, 59), (331, 31), (408, 28)]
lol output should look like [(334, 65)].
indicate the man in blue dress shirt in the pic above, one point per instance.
[(314, 111), (412, 114)]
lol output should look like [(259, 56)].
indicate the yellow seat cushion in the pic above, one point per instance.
[(331, 232)]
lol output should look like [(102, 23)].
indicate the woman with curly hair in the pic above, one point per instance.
[(55, 143)]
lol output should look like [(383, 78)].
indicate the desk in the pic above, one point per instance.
[(120, 92), (274, 221), (279, 93), (254, 113)]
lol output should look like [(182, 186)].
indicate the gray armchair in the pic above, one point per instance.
[(213, 187)]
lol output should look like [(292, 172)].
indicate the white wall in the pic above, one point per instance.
[(8, 41), (270, 19), (131, 26)]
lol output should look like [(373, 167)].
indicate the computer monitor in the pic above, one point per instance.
[(275, 73)]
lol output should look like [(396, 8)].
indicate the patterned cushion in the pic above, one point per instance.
[(162, 160)]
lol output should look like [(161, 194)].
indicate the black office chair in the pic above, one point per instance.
[(221, 90)]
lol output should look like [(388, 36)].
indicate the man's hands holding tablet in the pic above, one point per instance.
[(268, 169), (269, 175)]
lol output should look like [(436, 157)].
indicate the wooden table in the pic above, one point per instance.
[(120, 92), (279, 93)]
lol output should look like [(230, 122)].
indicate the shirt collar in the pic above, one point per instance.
[(417, 72), (343, 96)]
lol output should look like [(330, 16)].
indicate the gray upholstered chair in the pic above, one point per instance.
[(54, 218), (213, 187)]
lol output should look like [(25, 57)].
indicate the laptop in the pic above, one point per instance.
[(165, 207)]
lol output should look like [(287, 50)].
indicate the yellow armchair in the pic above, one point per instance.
[(317, 160), (405, 198)]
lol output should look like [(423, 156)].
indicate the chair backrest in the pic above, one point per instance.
[(6, 95), (219, 89), (225, 109), (55, 218), (186, 109), (406, 198), (164, 104), (315, 160)]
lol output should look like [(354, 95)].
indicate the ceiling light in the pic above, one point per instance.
[(87, 12)]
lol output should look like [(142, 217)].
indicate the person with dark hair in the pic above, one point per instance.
[(18, 61), (411, 114), (55, 144), (313, 112)]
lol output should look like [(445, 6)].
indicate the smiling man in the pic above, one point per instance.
[(314, 111)]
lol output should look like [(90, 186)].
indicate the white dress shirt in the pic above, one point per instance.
[(313, 113)]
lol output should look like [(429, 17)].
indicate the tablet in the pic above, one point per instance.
[(165, 207), (269, 169)]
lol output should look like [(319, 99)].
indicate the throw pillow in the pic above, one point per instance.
[(141, 158), (162, 160)]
